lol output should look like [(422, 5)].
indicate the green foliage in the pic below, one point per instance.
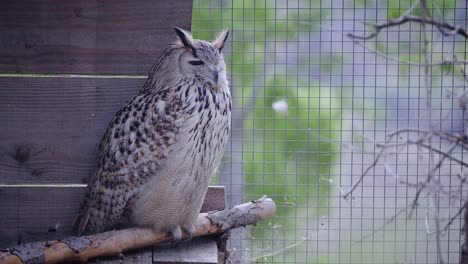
[(288, 152), (396, 8), (252, 24), (284, 154), (328, 62), (363, 3)]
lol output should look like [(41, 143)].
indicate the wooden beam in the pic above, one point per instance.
[(87, 37)]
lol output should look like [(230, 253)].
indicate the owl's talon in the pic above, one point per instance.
[(190, 232), (175, 243), (177, 234)]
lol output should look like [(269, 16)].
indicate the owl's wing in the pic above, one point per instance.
[(132, 150)]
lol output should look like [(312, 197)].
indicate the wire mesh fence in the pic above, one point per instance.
[(351, 116)]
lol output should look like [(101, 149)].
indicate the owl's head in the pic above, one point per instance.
[(201, 59)]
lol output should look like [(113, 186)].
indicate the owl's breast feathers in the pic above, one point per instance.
[(155, 130)]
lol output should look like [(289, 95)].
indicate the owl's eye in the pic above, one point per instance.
[(196, 62)]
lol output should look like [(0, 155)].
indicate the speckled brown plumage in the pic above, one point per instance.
[(159, 151)]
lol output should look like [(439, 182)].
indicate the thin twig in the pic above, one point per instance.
[(389, 221), (429, 177), (412, 7), (441, 25), (356, 184), (392, 58), (451, 137), (408, 142), (280, 251), (421, 144), (460, 210)]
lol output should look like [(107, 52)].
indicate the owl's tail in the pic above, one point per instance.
[(81, 220)]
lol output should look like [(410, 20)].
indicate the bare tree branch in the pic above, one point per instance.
[(456, 140), (420, 143), (426, 146), (392, 58), (113, 243), (430, 175), (432, 182), (359, 180), (443, 135), (460, 210), (441, 25)]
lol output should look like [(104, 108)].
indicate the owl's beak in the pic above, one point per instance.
[(215, 76)]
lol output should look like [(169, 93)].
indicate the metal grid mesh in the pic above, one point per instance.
[(315, 110)]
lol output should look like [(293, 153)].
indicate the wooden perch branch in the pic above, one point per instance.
[(113, 243)]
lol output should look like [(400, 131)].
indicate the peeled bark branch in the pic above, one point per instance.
[(113, 243)]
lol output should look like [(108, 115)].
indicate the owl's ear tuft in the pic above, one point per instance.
[(221, 39), (185, 38)]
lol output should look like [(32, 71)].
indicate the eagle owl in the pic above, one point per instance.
[(159, 151)]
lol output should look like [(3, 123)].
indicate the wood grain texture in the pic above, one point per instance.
[(200, 250), (31, 212), (45, 213), (51, 126), (93, 37), (140, 256)]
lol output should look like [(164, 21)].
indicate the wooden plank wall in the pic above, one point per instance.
[(96, 37), (65, 68), (52, 125)]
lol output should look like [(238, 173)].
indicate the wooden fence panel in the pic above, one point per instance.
[(45, 212), (92, 37), (40, 213), (51, 126)]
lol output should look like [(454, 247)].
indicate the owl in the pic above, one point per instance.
[(159, 151)]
